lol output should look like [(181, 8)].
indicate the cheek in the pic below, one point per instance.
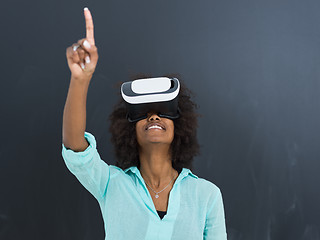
[(138, 133), (172, 131)]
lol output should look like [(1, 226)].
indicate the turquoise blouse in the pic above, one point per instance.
[(195, 208)]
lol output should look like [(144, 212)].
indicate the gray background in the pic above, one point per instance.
[(253, 66)]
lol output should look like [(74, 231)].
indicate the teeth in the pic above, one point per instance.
[(154, 126)]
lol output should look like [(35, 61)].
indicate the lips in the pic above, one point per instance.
[(155, 126)]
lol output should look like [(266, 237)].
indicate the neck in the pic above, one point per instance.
[(156, 166)]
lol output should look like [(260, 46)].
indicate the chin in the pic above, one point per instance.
[(158, 141)]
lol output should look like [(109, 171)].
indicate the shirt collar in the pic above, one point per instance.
[(133, 169), (187, 171), (184, 173)]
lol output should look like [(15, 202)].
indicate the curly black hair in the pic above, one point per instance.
[(184, 146)]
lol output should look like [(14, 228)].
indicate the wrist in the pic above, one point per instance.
[(84, 79)]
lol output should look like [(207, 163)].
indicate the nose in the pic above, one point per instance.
[(153, 117)]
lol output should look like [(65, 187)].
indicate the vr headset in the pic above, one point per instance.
[(158, 95)]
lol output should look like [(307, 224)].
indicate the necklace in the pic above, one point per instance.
[(157, 193)]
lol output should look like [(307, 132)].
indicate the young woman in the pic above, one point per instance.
[(151, 193)]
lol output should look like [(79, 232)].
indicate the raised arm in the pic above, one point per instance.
[(82, 59)]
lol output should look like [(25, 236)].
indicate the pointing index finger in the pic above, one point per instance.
[(89, 26)]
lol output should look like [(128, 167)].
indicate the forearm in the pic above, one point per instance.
[(82, 58), (74, 115)]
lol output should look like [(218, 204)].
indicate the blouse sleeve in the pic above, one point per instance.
[(89, 169), (215, 227)]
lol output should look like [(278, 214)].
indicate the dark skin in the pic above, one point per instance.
[(154, 144), (154, 136), (82, 59)]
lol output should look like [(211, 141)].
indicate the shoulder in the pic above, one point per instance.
[(201, 193), (201, 186), (115, 171), (120, 174), (207, 187)]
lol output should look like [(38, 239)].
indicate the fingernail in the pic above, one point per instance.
[(87, 58), (75, 48), (82, 65), (86, 9), (86, 44)]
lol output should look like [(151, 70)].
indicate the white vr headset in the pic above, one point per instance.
[(159, 95)]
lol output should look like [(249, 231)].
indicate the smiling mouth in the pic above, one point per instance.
[(155, 126)]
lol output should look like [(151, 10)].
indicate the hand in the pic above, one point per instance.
[(82, 56)]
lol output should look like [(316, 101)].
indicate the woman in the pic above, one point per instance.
[(151, 193)]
